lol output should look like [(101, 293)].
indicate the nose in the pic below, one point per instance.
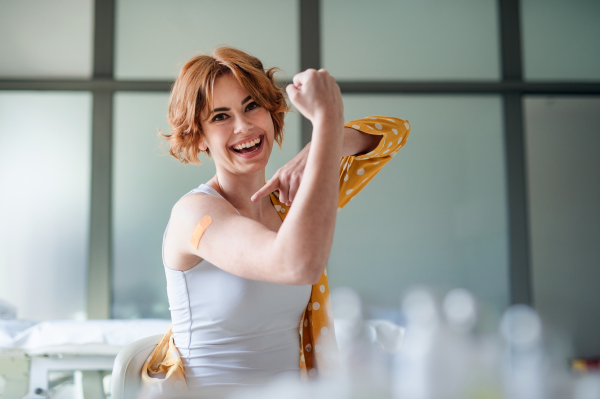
[(243, 125)]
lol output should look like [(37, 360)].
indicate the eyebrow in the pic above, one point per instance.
[(244, 101)]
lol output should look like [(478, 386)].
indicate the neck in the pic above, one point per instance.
[(237, 189)]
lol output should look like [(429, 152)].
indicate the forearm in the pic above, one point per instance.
[(309, 227), (355, 142)]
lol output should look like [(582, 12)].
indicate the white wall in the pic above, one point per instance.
[(45, 157), (563, 143)]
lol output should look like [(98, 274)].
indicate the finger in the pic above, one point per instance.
[(302, 77), (283, 193), (268, 188), (291, 90), (294, 184)]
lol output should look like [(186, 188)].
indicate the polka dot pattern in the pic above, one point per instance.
[(316, 331), (315, 328)]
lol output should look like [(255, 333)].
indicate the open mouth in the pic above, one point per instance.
[(253, 148)]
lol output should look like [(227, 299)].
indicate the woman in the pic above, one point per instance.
[(240, 281)]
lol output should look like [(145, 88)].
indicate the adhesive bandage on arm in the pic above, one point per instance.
[(199, 230)]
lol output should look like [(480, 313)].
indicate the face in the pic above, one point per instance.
[(239, 133)]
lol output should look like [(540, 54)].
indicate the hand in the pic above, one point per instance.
[(317, 96), (286, 179)]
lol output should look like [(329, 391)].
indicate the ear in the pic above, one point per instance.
[(203, 146)]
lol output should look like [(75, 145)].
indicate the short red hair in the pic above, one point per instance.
[(193, 90)]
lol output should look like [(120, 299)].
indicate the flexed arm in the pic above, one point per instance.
[(310, 225), (298, 251)]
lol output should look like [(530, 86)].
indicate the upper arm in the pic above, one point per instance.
[(356, 171), (236, 244)]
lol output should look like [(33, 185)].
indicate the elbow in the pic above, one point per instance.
[(303, 267), (307, 273)]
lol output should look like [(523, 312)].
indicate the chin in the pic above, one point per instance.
[(254, 163)]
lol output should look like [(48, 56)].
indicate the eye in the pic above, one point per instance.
[(214, 119), (252, 105)]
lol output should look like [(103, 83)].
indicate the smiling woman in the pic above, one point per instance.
[(249, 298), (194, 91)]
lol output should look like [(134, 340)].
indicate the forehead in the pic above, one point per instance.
[(227, 89)]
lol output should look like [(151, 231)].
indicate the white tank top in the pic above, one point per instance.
[(233, 332)]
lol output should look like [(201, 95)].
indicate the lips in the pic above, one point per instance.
[(252, 151), (245, 140)]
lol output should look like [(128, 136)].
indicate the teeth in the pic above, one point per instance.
[(247, 144)]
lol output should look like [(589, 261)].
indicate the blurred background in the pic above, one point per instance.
[(496, 192)]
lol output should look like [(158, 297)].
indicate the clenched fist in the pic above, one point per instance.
[(317, 96)]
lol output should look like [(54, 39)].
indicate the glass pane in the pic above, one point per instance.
[(46, 38), (561, 39), (564, 193), (437, 213), (44, 202), (155, 43), (146, 184), (405, 39)]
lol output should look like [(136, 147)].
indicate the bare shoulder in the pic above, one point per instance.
[(185, 215), (188, 211), (198, 204)]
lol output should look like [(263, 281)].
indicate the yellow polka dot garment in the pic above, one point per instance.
[(318, 348)]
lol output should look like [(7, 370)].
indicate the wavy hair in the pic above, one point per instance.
[(194, 88)]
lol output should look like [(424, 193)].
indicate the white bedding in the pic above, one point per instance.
[(20, 335), (108, 336), (9, 329)]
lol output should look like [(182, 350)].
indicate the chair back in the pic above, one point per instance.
[(127, 370)]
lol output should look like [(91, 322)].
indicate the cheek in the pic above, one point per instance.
[(269, 125)]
